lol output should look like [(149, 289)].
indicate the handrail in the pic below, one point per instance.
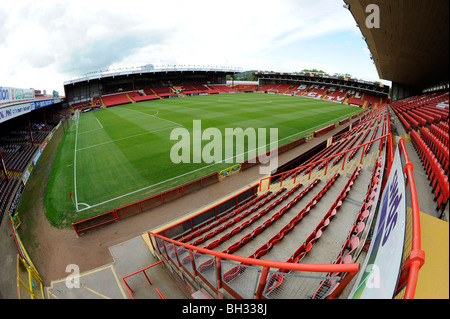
[(327, 159), (417, 255), (129, 290), (360, 121), (351, 268)]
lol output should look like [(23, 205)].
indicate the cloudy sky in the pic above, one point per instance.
[(44, 42)]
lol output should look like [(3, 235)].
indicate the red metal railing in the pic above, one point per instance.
[(130, 291), (350, 269), (327, 160), (416, 258)]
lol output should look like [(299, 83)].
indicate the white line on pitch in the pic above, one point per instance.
[(95, 129), (75, 165), (154, 116), (99, 122), (124, 138)]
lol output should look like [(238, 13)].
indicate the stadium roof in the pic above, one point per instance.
[(149, 68), (411, 45)]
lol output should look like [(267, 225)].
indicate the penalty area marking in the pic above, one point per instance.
[(126, 137)]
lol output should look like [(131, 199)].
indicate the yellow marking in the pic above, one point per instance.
[(118, 282), (147, 241), (333, 170), (407, 137), (111, 267), (50, 293), (371, 159), (95, 292), (351, 165)]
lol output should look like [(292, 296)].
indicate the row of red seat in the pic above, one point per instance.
[(277, 278), (363, 139), (436, 175), (325, 221), (337, 147), (404, 122), (413, 122), (221, 88), (348, 145), (440, 133), (443, 126), (115, 99), (161, 91), (355, 101), (261, 251), (323, 92), (422, 116), (254, 205), (222, 219), (245, 239), (230, 223), (360, 128), (233, 247), (367, 120), (356, 237), (237, 218), (424, 100), (135, 96), (421, 110), (436, 145), (19, 159)]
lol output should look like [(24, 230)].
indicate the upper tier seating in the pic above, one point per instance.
[(115, 99)]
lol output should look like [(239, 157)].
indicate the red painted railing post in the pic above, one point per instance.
[(343, 163), (362, 154), (218, 275), (416, 257), (262, 282), (145, 274)]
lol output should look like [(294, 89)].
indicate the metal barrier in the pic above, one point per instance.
[(416, 258), (252, 280), (268, 180), (127, 286)]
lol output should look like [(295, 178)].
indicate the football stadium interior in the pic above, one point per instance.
[(357, 207)]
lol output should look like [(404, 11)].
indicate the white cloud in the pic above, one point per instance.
[(44, 42)]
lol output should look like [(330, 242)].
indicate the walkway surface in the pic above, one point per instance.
[(106, 282)]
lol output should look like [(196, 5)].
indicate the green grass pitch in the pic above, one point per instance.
[(120, 155)]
